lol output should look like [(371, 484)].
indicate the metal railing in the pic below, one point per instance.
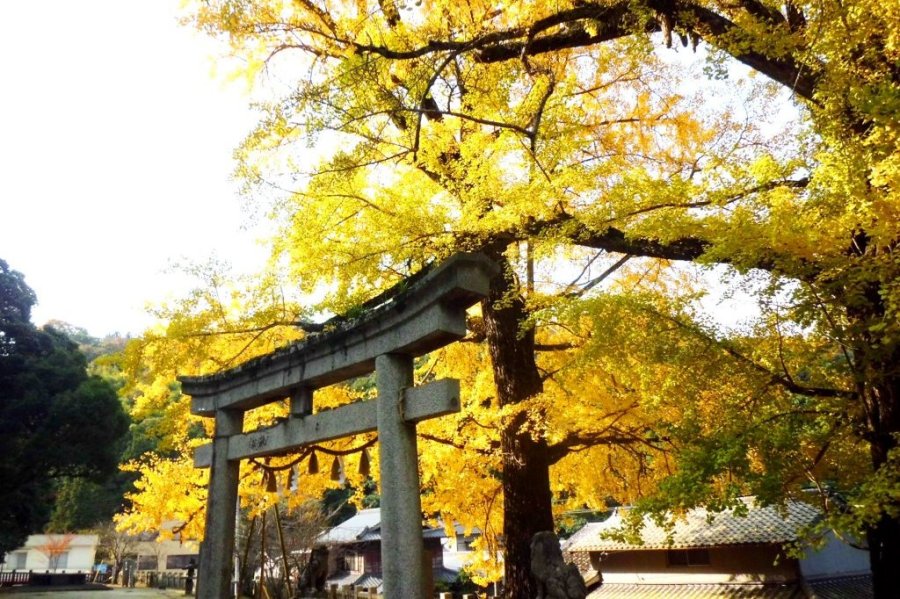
[(163, 580), (13, 577), (31, 578)]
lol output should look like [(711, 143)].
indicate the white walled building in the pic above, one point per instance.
[(172, 555), (62, 553)]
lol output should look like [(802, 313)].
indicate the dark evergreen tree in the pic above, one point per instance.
[(55, 420)]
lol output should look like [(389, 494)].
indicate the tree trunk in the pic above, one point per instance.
[(884, 557), (884, 537), (527, 507)]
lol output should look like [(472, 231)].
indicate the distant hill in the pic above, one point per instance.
[(91, 347)]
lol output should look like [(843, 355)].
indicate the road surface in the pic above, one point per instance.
[(115, 593)]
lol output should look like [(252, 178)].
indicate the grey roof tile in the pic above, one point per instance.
[(365, 526), (696, 591), (702, 528), (846, 587)]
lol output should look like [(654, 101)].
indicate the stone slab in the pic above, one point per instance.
[(429, 316), (437, 398)]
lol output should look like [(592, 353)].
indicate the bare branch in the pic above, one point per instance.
[(494, 445), (768, 186), (783, 381), (599, 279)]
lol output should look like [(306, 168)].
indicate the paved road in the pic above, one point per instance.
[(112, 594)]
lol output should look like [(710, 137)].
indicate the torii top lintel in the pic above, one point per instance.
[(426, 316)]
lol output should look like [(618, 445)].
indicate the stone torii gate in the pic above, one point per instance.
[(427, 315)]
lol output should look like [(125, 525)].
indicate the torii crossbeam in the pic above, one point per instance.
[(429, 314)]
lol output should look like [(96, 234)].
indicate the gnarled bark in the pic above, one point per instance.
[(526, 468)]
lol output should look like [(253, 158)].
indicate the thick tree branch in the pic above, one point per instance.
[(578, 441), (619, 20), (762, 12), (786, 382), (615, 21), (458, 444), (555, 346), (610, 434), (612, 239), (611, 22)]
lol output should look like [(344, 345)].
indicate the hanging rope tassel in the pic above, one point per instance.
[(292, 480), (364, 465), (337, 469)]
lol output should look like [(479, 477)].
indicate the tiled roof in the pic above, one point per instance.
[(366, 580), (369, 581), (701, 528), (461, 530), (359, 580), (365, 526), (696, 591), (345, 578), (434, 533), (445, 575), (847, 587)]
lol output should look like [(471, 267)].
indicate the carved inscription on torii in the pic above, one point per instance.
[(427, 315)]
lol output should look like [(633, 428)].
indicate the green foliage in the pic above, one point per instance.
[(97, 351), (55, 420), (82, 504)]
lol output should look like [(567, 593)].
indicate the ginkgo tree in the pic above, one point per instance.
[(622, 391), (411, 186), (524, 126), (224, 321), (585, 408)]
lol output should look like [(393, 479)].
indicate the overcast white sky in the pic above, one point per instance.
[(115, 157)]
